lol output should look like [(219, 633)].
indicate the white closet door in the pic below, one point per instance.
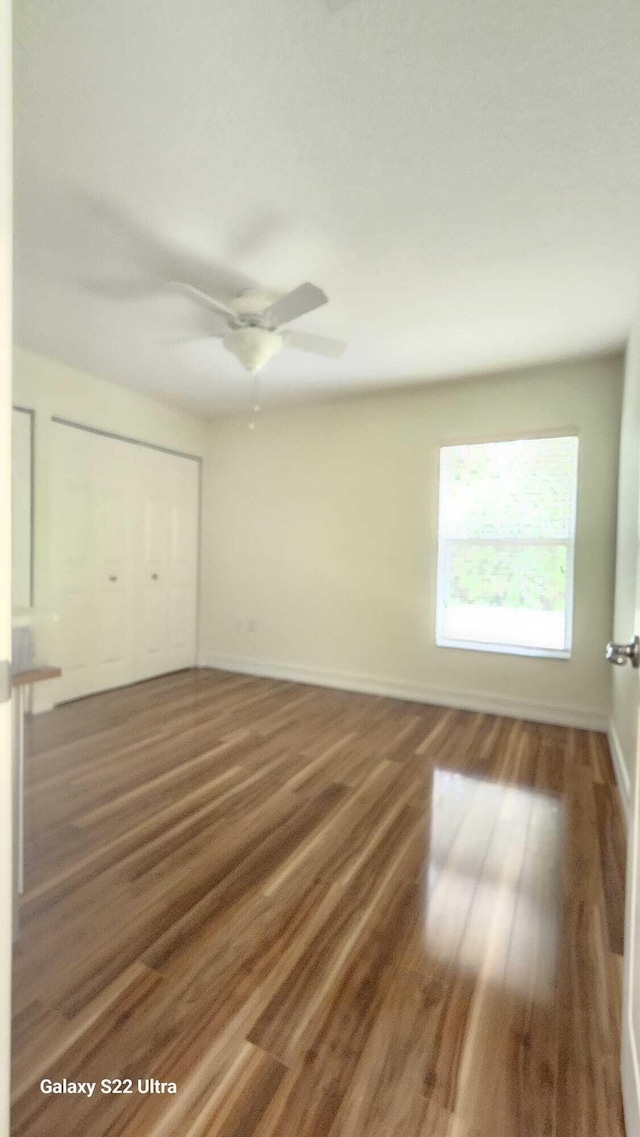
[(125, 561), (114, 565), (93, 560), (167, 563)]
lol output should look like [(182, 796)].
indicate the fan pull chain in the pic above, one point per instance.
[(255, 398)]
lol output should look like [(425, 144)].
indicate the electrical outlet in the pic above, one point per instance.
[(252, 625)]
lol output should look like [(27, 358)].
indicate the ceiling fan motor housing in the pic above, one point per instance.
[(252, 303)]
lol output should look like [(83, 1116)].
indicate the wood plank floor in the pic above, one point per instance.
[(320, 914)]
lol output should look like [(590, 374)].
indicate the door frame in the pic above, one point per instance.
[(123, 438), (630, 1059), (6, 764)]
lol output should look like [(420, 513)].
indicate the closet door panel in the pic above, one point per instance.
[(112, 511), (73, 560), (111, 631), (114, 562), (183, 562), (154, 527), (125, 536), (151, 562), (152, 631), (167, 575), (180, 621), (92, 561)]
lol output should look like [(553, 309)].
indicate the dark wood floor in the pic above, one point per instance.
[(320, 914)]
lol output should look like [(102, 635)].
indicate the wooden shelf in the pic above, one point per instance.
[(34, 675)]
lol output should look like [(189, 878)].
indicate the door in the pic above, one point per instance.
[(92, 558), (6, 884), (629, 654), (125, 560), (631, 997), (167, 562)]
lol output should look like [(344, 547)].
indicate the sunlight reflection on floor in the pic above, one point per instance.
[(493, 882)]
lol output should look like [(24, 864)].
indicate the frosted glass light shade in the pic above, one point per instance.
[(253, 346)]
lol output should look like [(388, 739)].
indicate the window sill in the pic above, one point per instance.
[(506, 649)]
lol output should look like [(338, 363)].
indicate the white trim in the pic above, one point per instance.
[(486, 703), (630, 1064), (630, 1069), (620, 769), (124, 438), (445, 543), (505, 649)]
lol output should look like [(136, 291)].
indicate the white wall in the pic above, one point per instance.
[(320, 537), (624, 711), (53, 389)]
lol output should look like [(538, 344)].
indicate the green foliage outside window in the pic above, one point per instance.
[(509, 489), (520, 577)]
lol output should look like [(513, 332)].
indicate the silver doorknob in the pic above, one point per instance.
[(113, 579), (619, 654), (154, 576)]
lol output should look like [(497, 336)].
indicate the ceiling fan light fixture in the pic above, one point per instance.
[(253, 346)]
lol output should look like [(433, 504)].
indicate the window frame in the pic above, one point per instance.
[(445, 545)]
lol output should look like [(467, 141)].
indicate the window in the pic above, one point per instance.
[(506, 546)]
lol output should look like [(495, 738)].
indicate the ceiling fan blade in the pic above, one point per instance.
[(215, 324), (184, 341), (203, 298), (318, 345), (303, 299)]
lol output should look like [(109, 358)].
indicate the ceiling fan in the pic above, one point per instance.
[(251, 325)]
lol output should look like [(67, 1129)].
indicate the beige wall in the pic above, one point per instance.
[(320, 527), (320, 535), (624, 716), (50, 388)]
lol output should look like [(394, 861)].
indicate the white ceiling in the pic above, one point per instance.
[(462, 177)]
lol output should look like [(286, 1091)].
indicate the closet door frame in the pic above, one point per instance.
[(176, 454)]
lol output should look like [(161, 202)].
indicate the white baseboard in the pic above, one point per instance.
[(438, 696), (620, 769)]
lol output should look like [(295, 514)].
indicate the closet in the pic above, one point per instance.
[(124, 560)]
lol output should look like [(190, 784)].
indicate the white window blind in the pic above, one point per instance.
[(506, 546)]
